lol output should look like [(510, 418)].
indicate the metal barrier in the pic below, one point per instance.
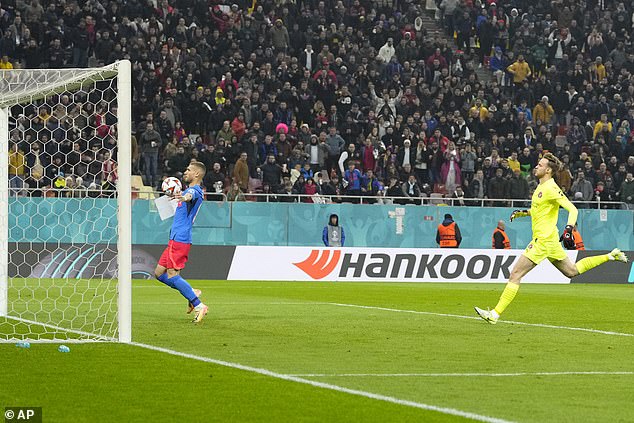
[(318, 199), (425, 201)]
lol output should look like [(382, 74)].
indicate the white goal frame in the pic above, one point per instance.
[(123, 71)]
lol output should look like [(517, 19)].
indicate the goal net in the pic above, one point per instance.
[(65, 204)]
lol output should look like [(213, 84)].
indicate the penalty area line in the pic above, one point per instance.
[(466, 374), (337, 388), (508, 322)]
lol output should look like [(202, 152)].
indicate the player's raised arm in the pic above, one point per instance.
[(184, 197), (519, 213), (573, 213), (567, 237)]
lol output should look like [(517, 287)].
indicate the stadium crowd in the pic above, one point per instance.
[(336, 97)]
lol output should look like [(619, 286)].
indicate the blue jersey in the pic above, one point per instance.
[(185, 215)]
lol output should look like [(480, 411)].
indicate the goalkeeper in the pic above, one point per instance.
[(545, 242)]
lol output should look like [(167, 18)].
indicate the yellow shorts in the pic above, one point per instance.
[(541, 249)]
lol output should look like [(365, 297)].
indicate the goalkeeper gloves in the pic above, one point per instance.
[(568, 238), (519, 213)]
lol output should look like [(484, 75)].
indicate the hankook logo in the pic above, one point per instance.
[(321, 263), (318, 267)]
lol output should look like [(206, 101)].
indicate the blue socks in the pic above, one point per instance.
[(177, 282), (185, 289), (163, 278)]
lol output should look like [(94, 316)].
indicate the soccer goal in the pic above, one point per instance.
[(65, 204)]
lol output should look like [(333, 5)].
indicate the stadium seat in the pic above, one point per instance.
[(436, 198)]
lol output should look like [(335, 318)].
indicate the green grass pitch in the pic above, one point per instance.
[(409, 344)]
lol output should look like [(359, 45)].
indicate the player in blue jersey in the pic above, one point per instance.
[(174, 257)]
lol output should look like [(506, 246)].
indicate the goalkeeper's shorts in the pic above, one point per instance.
[(549, 248), (175, 255)]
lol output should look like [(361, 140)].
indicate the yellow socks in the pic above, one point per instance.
[(511, 288), (588, 263), (507, 296)]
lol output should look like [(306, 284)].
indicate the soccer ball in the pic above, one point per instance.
[(171, 186)]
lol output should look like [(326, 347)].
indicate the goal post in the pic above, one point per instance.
[(124, 196), (65, 204), (4, 210)]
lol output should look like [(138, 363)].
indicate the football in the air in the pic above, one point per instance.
[(171, 186)]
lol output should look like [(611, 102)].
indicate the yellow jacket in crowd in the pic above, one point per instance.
[(598, 128), (17, 163), (543, 112), (520, 71), (5, 64)]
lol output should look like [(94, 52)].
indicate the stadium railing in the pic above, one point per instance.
[(141, 194), (426, 201)]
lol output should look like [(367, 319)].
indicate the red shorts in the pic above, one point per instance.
[(175, 255)]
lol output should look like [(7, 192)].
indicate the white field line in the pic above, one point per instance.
[(212, 304), (426, 313), (93, 337), (52, 341), (265, 372), (162, 286), (459, 316), (464, 374)]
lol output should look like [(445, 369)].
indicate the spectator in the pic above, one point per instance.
[(406, 155), (498, 65), (543, 112), (352, 178), (394, 188), (81, 44), (279, 36), (235, 193), (310, 189), (17, 166), (420, 162), (582, 189), (316, 152), (450, 171), (518, 186), (411, 189), (171, 149), (335, 146), (241, 173), (36, 163), (287, 194), (164, 128), (626, 194), (226, 132), (179, 161), (5, 63), (109, 173), (459, 196), (434, 163), (370, 185), (150, 143), (271, 173), (520, 70), (498, 187), (387, 51), (238, 126), (214, 182), (334, 187), (348, 156)]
